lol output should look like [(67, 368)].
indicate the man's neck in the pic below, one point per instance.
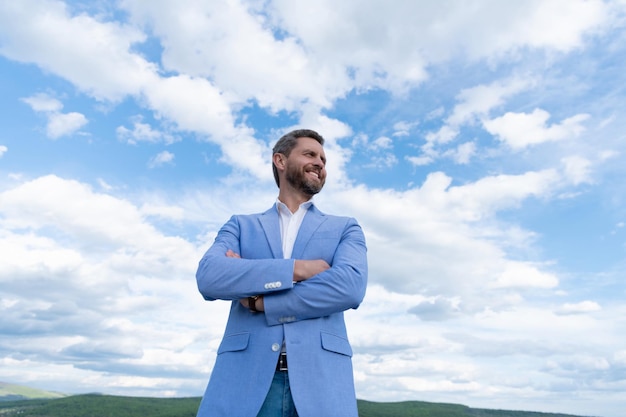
[(293, 200)]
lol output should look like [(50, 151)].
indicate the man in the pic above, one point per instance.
[(290, 273)]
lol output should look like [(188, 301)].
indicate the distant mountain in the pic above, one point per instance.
[(97, 405), (12, 392)]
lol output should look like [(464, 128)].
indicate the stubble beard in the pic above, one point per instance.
[(298, 180)]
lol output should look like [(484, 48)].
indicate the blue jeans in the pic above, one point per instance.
[(279, 402)]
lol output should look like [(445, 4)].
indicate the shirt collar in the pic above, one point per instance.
[(283, 209)]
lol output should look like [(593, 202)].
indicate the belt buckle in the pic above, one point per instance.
[(282, 362)]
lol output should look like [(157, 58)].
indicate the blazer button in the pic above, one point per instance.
[(275, 347)]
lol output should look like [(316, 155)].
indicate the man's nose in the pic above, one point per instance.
[(319, 162)]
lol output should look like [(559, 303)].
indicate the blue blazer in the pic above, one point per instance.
[(308, 315)]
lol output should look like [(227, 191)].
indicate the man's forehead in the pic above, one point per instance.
[(307, 142)]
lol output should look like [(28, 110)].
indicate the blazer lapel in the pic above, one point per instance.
[(311, 222), (271, 226)]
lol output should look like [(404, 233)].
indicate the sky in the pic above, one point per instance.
[(480, 144)]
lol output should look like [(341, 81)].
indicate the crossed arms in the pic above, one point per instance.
[(324, 286), (302, 270)]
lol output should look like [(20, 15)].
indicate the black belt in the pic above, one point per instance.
[(281, 365)]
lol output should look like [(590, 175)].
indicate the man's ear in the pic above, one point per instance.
[(279, 160)]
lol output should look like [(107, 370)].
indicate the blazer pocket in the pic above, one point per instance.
[(234, 343), (337, 344)]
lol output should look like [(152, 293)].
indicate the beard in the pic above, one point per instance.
[(298, 180)]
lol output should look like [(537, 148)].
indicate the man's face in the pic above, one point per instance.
[(306, 167)]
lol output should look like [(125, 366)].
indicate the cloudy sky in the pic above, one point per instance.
[(479, 143)]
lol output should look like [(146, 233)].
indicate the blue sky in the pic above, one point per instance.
[(480, 145)]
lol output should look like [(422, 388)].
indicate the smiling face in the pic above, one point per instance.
[(305, 167)]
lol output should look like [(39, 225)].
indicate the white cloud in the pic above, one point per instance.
[(382, 142), (577, 169), (160, 159), (91, 54), (518, 274), (383, 161), (435, 310), (356, 34), (245, 58), (3, 150), (463, 153), (278, 56), (71, 206), (476, 102), (478, 359), (484, 197), (41, 102), (104, 185), (143, 132), (444, 135), (420, 160), (582, 307), (64, 124), (282, 63), (163, 211), (101, 270), (520, 130), (472, 104), (96, 56), (608, 154), (577, 17), (59, 124), (403, 128), (442, 240), (195, 105), (379, 151)]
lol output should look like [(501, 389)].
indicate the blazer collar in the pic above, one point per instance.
[(271, 226), (311, 222)]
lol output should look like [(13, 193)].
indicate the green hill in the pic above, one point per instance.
[(11, 392), (95, 405)]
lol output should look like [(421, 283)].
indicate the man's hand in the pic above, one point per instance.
[(260, 306), (244, 301), (231, 254), (304, 270)]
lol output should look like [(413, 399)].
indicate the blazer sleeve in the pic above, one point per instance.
[(222, 278), (335, 290)]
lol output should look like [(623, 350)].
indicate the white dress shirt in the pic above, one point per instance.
[(290, 224)]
